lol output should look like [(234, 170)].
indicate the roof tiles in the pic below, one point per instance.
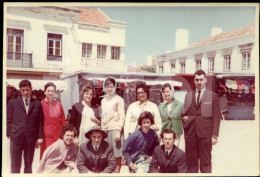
[(92, 16), (245, 30)]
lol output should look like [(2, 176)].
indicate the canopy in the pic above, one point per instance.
[(38, 84)]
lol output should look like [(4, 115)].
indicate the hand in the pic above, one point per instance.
[(185, 119), (38, 144), (132, 166), (155, 127), (150, 158), (76, 141), (94, 119), (117, 136), (214, 140)]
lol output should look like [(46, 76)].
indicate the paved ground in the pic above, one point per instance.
[(237, 152)]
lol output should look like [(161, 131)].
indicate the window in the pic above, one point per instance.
[(246, 60), (198, 65), (160, 69), (54, 47), (211, 65), (101, 51), (227, 62), (173, 68), (115, 53), (86, 50), (14, 44), (183, 67)]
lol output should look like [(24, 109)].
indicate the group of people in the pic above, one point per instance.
[(146, 137)]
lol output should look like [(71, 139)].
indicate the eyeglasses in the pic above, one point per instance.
[(138, 93)]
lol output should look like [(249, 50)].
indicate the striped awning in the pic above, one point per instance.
[(38, 81)]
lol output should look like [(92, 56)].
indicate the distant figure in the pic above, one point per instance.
[(201, 120), (54, 117), (60, 157), (96, 156), (168, 158), (223, 100), (24, 127), (138, 147)]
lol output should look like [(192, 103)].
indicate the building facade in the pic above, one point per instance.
[(43, 43), (227, 52)]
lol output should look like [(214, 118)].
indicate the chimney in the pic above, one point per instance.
[(215, 31), (182, 39), (149, 60)]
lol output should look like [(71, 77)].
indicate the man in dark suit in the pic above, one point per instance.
[(24, 127), (168, 157), (96, 156), (201, 120)]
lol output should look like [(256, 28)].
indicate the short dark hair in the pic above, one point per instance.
[(49, 84), (145, 115), (168, 131), (67, 128), (86, 88), (165, 86), (200, 72), (144, 87), (25, 83), (110, 80)]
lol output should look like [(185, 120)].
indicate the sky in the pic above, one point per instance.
[(151, 30)]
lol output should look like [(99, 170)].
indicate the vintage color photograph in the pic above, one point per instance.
[(98, 88)]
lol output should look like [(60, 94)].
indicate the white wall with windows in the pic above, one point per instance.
[(233, 55), (47, 35), (56, 40)]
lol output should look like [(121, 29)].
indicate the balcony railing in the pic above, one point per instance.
[(104, 65), (22, 60)]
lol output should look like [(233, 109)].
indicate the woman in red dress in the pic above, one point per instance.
[(54, 117)]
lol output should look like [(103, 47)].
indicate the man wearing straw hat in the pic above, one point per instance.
[(96, 156)]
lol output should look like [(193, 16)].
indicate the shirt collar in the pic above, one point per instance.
[(202, 91), (26, 98), (95, 146)]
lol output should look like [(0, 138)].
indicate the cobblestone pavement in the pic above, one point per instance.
[(236, 153)]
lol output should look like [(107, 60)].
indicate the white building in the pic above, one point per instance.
[(227, 52), (45, 42)]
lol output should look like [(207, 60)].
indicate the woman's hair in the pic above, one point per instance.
[(49, 84), (67, 128), (145, 115), (86, 88), (110, 80), (165, 86), (144, 87)]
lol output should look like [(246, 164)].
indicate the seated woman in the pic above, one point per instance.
[(60, 157), (139, 146)]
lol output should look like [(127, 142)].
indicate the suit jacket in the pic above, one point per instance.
[(203, 118), (171, 120), (176, 162), (101, 161), (22, 126)]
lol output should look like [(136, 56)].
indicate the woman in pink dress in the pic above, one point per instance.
[(54, 117)]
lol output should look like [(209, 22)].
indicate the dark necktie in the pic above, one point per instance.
[(198, 98), (96, 149), (26, 102), (167, 154)]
